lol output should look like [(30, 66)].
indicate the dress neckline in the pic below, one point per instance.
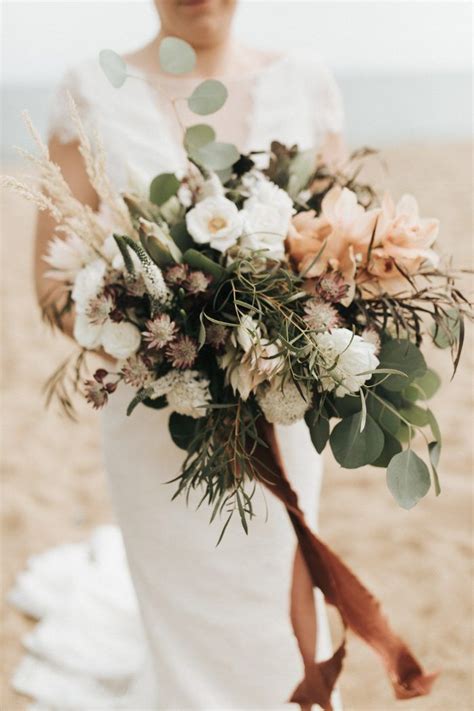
[(177, 80)]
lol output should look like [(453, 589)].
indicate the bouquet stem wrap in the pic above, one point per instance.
[(359, 610)]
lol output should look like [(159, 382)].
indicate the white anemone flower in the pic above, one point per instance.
[(215, 221)]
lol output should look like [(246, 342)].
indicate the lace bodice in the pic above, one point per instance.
[(294, 100)]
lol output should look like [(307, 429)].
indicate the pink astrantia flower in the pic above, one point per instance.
[(216, 335), (161, 331), (136, 371), (182, 352), (197, 282), (176, 275), (320, 316), (97, 391)]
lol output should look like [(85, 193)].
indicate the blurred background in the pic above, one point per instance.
[(406, 77)]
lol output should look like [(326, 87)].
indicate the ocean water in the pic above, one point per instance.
[(381, 110)]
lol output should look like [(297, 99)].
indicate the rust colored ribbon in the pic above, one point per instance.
[(358, 608)]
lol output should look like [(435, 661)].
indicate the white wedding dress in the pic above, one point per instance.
[(202, 627)]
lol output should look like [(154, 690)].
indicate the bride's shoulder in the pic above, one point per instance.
[(90, 91)]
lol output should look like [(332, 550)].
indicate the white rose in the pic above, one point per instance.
[(347, 360), (120, 340), (87, 334), (265, 229), (215, 221), (267, 214), (88, 284)]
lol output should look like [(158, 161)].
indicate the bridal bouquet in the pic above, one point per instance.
[(250, 288)]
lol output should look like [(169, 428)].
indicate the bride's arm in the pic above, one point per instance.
[(48, 291)]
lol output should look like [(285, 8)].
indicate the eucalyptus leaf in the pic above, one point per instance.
[(347, 405), (434, 449), (383, 413), (216, 156), (408, 478), (404, 356), (415, 415), (353, 448), (391, 447), (176, 56), (114, 67), (208, 97), (429, 384), (434, 426), (302, 168), (182, 429), (318, 426), (198, 135), (163, 187)]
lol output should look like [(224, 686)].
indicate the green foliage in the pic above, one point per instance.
[(427, 385), (446, 331), (197, 260), (203, 149), (318, 426), (404, 356), (163, 187), (176, 56), (391, 447), (182, 430), (208, 97), (181, 236), (353, 448), (113, 67), (122, 245), (408, 478), (156, 403)]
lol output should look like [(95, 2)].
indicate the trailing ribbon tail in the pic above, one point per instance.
[(359, 610)]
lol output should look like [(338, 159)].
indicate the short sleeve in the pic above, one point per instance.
[(60, 124)]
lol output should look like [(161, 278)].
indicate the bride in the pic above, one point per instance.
[(214, 627)]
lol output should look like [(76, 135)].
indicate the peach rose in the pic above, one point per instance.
[(340, 236), (401, 245)]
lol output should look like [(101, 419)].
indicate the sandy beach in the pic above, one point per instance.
[(417, 562)]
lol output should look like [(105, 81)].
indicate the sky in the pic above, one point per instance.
[(41, 38)]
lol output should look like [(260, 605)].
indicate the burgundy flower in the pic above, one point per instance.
[(97, 391), (182, 352), (176, 275), (216, 335), (331, 286)]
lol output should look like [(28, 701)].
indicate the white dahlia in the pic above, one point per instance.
[(346, 360), (283, 404), (215, 221), (266, 215)]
